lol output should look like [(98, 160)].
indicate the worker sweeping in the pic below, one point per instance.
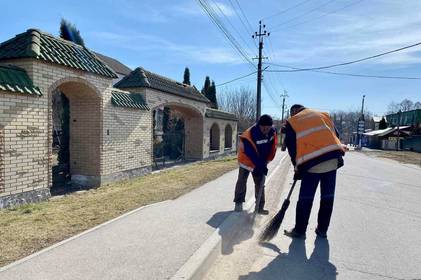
[(257, 147), (316, 153)]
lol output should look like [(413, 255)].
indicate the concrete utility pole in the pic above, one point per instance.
[(284, 95), (260, 35), (360, 130), (399, 132)]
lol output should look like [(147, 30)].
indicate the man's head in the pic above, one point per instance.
[(296, 108), (265, 124)]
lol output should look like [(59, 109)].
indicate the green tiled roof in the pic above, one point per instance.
[(39, 45), (218, 114), (127, 99), (16, 80), (143, 78)]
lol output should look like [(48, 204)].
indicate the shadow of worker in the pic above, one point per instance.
[(234, 228), (294, 265)]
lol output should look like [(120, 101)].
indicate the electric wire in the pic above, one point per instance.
[(286, 10)]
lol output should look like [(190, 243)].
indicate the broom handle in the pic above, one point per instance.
[(292, 188)]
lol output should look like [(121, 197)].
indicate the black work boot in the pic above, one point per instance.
[(261, 211), (294, 234)]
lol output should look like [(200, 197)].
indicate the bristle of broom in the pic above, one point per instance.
[(273, 226)]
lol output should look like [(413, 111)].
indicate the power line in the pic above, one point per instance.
[(236, 79), (246, 28), (245, 17), (214, 18), (286, 10), (346, 63), (303, 14), (323, 15), (229, 22), (342, 74)]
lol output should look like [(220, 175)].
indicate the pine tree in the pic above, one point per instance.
[(382, 123), (69, 32), (186, 79)]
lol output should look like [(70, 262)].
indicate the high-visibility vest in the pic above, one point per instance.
[(243, 160), (315, 135)]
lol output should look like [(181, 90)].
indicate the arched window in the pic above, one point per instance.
[(228, 137), (214, 137)]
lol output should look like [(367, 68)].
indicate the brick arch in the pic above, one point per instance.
[(214, 137), (193, 128), (184, 108), (85, 124), (228, 136), (62, 81)]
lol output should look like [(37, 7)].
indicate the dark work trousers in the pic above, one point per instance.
[(241, 186), (305, 200)]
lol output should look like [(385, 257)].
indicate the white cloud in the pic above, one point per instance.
[(195, 9), (146, 43), (345, 37)]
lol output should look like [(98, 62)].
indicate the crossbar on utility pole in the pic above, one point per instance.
[(260, 35)]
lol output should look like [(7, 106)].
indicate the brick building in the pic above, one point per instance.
[(110, 127)]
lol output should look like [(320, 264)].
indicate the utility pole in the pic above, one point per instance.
[(399, 132), (283, 104), (260, 35), (360, 130)]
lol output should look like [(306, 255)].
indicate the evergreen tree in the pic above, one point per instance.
[(186, 79), (206, 86), (69, 32), (212, 95), (382, 123)]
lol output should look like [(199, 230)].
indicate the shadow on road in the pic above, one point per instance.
[(294, 265), (233, 229)]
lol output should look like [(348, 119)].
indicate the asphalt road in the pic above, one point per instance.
[(374, 234)]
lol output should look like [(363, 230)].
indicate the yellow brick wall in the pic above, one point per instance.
[(23, 143)]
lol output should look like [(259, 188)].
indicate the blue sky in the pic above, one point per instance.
[(166, 36)]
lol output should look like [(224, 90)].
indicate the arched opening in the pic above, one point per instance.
[(177, 134), (228, 136), (214, 137), (76, 135)]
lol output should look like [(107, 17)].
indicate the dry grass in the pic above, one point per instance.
[(401, 156), (27, 229)]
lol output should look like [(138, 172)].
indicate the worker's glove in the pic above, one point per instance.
[(297, 176)]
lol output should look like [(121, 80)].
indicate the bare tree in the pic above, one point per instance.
[(417, 105), (242, 103), (346, 122), (406, 105), (393, 107)]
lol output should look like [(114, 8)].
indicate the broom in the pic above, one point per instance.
[(273, 226)]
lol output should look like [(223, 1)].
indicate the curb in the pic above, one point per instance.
[(198, 264)]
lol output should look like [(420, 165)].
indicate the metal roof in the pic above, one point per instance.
[(15, 79), (129, 100), (142, 78), (43, 46)]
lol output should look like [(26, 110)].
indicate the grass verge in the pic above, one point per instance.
[(401, 156), (30, 228)]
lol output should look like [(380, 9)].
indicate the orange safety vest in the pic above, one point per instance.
[(315, 134), (243, 160)]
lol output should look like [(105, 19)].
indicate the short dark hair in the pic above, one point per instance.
[(265, 120), (296, 108)]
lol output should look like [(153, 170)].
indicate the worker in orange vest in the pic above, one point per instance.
[(316, 153), (257, 147)]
